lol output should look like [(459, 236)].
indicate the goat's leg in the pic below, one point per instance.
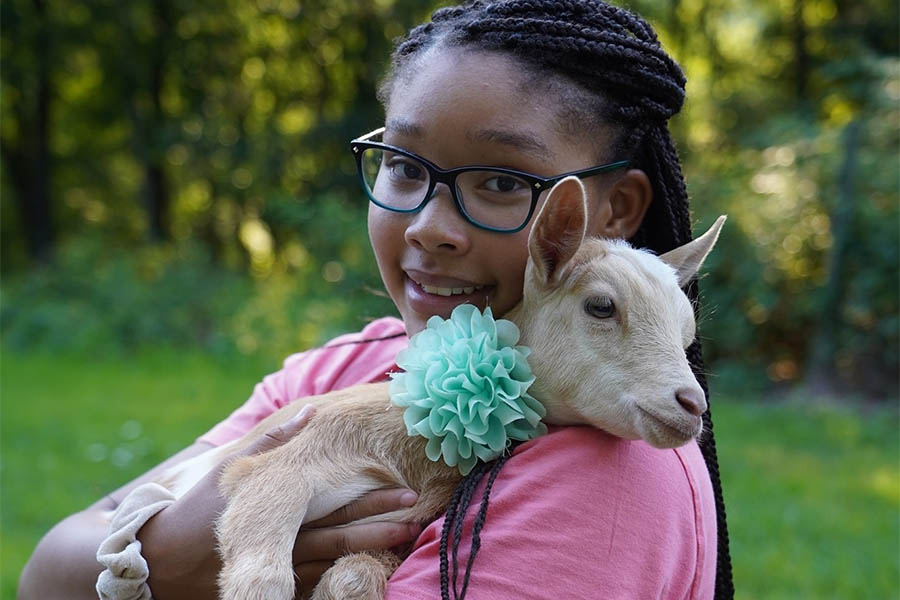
[(360, 576), (257, 530), (364, 575)]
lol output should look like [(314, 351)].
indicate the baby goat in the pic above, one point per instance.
[(607, 325)]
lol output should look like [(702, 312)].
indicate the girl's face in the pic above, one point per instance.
[(459, 108)]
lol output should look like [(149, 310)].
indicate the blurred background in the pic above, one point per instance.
[(180, 212)]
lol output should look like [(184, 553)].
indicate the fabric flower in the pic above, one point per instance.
[(465, 388)]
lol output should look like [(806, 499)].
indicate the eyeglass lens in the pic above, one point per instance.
[(400, 182)]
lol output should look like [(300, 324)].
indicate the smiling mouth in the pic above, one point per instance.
[(448, 291)]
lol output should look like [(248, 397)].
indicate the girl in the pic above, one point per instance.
[(519, 88)]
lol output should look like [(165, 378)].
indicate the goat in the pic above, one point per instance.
[(608, 326)]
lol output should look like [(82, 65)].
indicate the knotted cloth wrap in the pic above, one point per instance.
[(125, 577), (465, 388)]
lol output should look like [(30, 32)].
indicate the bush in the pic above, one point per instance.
[(93, 300)]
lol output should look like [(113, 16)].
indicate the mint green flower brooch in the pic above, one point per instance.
[(465, 388)]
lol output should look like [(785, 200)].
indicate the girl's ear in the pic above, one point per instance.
[(558, 229), (686, 259), (628, 201)]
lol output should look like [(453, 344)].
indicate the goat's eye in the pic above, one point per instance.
[(600, 308)]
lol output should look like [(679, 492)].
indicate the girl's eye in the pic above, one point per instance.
[(404, 169), (503, 184), (601, 307)]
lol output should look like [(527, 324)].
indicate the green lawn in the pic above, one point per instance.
[(813, 499), (813, 492)]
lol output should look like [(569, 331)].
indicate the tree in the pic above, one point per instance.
[(25, 138)]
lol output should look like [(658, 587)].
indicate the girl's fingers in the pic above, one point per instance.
[(373, 503), (333, 542), (282, 433)]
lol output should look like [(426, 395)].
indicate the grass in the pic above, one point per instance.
[(812, 490), (813, 499), (74, 429)]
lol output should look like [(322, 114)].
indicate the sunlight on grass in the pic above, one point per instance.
[(885, 483)]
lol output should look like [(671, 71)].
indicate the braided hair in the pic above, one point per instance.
[(611, 61)]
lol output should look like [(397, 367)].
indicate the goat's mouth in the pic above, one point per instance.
[(682, 428)]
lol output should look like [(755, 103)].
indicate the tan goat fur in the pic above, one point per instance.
[(626, 373)]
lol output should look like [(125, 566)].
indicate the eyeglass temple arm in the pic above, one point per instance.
[(370, 135)]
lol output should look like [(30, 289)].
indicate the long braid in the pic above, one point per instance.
[(455, 517), (707, 442), (613, 57)]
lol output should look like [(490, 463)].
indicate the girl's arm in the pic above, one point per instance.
[(64, 563), (179, 543)]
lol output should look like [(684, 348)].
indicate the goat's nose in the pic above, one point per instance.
[(692, 400)]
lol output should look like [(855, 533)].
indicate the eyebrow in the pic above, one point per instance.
[(522, 142), (403, 127)]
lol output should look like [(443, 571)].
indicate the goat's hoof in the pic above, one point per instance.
[(356, 577)]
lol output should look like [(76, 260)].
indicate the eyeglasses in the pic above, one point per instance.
[(491, 198)]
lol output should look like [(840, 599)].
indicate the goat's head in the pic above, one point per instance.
[(608, 325)]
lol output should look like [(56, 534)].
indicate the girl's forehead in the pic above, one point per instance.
[(480, 98), (441, 77), (517, 136)]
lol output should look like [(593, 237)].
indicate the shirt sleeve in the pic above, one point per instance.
[(580, 514), (362, 357)]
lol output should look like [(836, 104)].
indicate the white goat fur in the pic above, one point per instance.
[(626, 374)]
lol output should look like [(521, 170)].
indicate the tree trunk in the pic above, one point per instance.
[(820, 368), (801, 53), (157, 188), (28, 159)]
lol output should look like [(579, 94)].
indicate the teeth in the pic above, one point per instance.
[(442, 291)]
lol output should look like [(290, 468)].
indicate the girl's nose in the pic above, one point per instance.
[(439, 227)]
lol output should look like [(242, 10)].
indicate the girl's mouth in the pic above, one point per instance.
[(446, 291), (432, 299)]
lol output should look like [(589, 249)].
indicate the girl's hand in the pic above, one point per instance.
[(179, 542), (322, 542)]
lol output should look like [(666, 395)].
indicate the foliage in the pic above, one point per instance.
[(771, 273), (808, 262), (811, 490), (95, 300), (212, 136)]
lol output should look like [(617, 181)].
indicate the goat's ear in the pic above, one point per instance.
[(558, 230), (686, 259)]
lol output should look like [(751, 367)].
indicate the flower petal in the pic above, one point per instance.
[(465, 388)]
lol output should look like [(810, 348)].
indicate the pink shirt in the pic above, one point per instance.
[(574, 514), (338, 364)]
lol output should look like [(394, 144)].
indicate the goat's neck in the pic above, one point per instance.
[(523, 315), (515, 314)]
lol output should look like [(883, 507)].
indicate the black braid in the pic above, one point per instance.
[(455, 517), (449, 517), (456, 514), (612, 57), (479, 521)]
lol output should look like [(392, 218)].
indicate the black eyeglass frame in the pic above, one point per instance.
[(448, 177)]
